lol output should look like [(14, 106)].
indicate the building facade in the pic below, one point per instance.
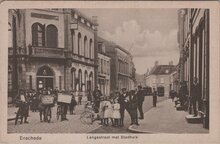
[(159, 76), (46, 52), (122, 72), (194, 55), (103, 69)]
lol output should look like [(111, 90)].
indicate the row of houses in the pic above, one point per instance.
[(194, 56), (193, 39), (60, 48)]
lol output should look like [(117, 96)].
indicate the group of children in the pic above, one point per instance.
[(109, 110)]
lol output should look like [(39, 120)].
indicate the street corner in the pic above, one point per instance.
[(139, 129)]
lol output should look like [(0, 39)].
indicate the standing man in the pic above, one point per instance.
[(97, 94), (154, 97), (124, 104), (140, 99), (195, 96)]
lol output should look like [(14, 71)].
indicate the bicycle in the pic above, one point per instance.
[(88, 115), (59, 111)]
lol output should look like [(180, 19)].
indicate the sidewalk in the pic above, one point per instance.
[(165, 119)]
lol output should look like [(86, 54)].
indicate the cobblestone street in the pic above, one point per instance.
[(147, 105), (73, 125)]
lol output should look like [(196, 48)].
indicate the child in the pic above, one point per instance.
[(116, 113), (107, 111)]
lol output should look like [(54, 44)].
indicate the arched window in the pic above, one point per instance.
[(80, 79), (91, 80), (38, 34), (73, 78), (9, 35), (86, 79), (85, 46), (90, 49), (79, 43), (52, 36), (73, 42)]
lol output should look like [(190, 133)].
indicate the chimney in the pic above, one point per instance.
[(156, 63), (95, 20)]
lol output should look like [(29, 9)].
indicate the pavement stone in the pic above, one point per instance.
[(73, 125), (165, 119)]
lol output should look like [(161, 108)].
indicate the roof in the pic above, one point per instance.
[(162, 70), (114, 45)]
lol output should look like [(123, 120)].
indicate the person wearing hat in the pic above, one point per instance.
[(140, 99), (133, 107), (124, 104), (97, 94)]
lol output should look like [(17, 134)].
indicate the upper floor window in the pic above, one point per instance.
[(90, 49), (85, 46), (38, 34), (79, 43), (52, 36)]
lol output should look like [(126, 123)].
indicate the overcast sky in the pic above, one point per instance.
[(149, 34)]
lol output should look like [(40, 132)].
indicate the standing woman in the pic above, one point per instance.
[(101, 110), (154, 97)]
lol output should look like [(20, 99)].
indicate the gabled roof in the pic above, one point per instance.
[(162, 70)]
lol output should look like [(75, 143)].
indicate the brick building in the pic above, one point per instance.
[(45, 51)]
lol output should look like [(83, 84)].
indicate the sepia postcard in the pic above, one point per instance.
[(109, 72)]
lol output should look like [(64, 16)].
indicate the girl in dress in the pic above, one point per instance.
[(116, 113), (108, 111), (101, 110)]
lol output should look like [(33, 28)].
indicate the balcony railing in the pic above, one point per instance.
[(47, 52)]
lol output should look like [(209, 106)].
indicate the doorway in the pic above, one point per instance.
[(45, 78)]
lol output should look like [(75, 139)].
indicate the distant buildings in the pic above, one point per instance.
[(122, 73), (160, 76), (194, 55)]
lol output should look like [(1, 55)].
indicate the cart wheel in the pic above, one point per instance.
[(86, 118)]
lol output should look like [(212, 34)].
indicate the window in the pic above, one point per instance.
[(73, 42), (73, 77), (162, 80), (9, 35), (90, 49), (60, 82), (154, 80), (9, 78), (80, 80), (52, 36), (79, 43), (30, 81), (38, 34), (85, 46)]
